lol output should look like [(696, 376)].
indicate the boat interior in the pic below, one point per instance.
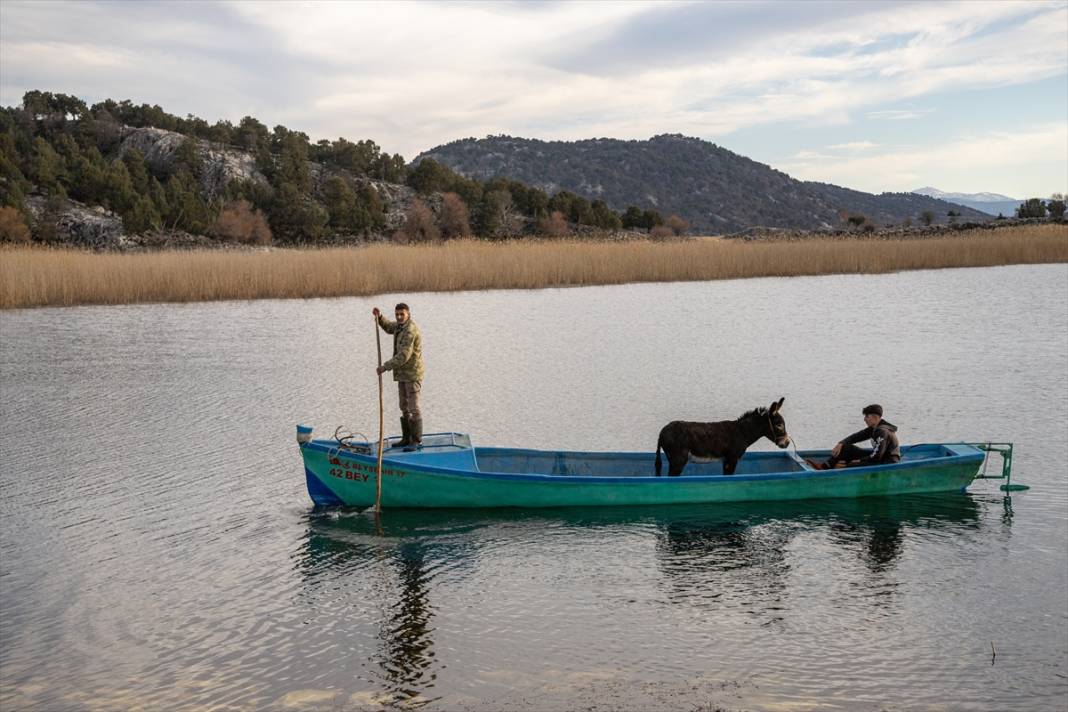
[(454, 451)]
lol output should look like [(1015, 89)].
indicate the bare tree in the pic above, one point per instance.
[(677, 224), (661, 232), (554, 225), (454, 219), (418, 225), (12, 227), (239, 222)]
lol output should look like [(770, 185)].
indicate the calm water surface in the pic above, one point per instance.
[(158, 549)]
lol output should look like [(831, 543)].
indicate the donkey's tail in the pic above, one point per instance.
[(658, 457)]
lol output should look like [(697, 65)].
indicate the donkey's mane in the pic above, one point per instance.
[(755, 412)]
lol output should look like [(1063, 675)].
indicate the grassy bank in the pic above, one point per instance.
[(44, 277)]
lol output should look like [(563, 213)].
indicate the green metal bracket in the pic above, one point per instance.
[(1005, 450)]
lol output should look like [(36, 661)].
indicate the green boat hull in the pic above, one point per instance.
[(462, 476)]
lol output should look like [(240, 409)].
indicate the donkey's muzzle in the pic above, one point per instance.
[(783, 442)]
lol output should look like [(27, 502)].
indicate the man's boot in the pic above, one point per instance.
[(406, 434), (415, 433)]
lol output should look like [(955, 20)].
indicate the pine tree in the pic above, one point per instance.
[(646, 219), (493, 212), (142, 216), (158, 194), (252, 135), (340, 201), (121, 196), (429, 177), (294, 218), (1056, 206), (88, 180), (138, 170), (292, 167), (604, 217), (371, 202), (1031, 208), (187, 210), (632, 217), (45, 167), (13, 184)]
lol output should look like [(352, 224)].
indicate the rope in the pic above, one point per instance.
[(343, 444)]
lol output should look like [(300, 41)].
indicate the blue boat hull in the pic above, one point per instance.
[(449, 472)]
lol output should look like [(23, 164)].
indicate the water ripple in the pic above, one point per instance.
[(155, 527)]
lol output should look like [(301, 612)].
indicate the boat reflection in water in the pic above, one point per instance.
[(750, 558), (383, 572), (389, 572), (736, 535)]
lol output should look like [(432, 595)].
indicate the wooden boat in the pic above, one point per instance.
[(449, 472)]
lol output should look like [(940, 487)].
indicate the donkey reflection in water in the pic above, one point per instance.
[(726, 440)]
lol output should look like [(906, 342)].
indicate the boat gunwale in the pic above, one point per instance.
[(975, 457)]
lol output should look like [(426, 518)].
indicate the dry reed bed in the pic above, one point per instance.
[(47, 277)]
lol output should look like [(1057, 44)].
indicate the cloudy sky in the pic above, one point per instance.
[(963, 96)]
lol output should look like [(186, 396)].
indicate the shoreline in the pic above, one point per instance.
[(42, 277)]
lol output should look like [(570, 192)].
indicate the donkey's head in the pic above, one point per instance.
[(776, 426)]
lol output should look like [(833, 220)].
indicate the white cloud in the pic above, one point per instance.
[(437, 72), (413, 75), (98, 58), (854, 146), (969, 163), (898, 114)]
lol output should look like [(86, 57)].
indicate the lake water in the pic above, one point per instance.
[(158, 549)]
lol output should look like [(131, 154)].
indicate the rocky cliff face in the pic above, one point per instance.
[(73, 223), (397, 200), (93, 227), (221, 164)]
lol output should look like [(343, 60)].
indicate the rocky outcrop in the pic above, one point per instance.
[(219, 164), (71, 223), (397, 200)]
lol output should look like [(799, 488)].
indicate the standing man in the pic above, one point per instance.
[(407, 367), (883, 436)]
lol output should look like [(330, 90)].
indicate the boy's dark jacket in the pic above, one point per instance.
[(885, 447)]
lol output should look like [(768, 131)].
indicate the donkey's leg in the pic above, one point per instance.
[(728, 466), (675, 464)]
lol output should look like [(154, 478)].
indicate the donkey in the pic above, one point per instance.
[(726, 440)]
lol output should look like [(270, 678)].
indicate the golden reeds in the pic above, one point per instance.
[(50, 277)]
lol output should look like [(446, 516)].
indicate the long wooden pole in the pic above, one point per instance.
[(381, 425)]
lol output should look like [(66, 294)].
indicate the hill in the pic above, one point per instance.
[(989, 203), (714, 189), (116, 175)]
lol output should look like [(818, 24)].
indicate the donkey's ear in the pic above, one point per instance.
[(775, 406)]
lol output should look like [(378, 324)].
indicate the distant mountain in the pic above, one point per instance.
[(990, 203), (978, 197), (716, 190)]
